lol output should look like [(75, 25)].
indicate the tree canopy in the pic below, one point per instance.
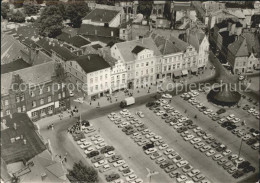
[(145, 7), (4, 9), (75, 12), (30, 8), (17, 16), (50, 21), (83, 174)]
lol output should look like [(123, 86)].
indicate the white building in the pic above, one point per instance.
[(197, 38), (140, 57), (102, 15)]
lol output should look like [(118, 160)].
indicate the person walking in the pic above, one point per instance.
[(98, 104)]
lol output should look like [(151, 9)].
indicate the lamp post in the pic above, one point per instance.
[(150, 174)]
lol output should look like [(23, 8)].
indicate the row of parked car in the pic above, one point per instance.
[(230, 122), (155, 147), (105, 159), (204, 141)]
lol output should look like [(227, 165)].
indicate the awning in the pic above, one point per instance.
[(194, 69), (177, 73), (184, 72)]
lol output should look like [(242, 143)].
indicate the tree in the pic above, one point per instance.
[(50, 22), (145, 7), (4, 9), (17, 17), (107, 2), (83, 174), (75, 12), (30, 8)]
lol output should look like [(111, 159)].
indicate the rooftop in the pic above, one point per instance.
[(239, 47), (92, 62), (101, 15), (36, 74), (93, 30), (126, 48), (78, 41), (18, 151), (55, 46), (138, 49), (195, 37), (14, 66), (253, 43)]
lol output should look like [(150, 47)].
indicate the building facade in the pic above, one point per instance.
[(39, 94)]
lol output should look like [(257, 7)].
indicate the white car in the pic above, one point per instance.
[(182, 163), (105, 168), (131, 177), (226, 152), (81, 141), (109, 154), (240, 78), (85, 145), (155, 138), (208, 111), (167, 96), (94, 137), (100, 163), (188, 137), (123, 167), (89, 149), (99, 140), (163, 146), (150, 135), (210, 152), (138, 180), (195, 140), (99, 146), (160, 113), (168, 151), (119, 163), (182, 178), (160, 160), (193, 172), (216, 157), (150, 151), (197, 129)]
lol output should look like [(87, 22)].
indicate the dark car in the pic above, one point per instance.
[(244, 164), (203, 109), (251, 141), (97, 158), (182, 129), (249, 169), (111, 177), (231, 127), (114, 158), (165, 164), (106, 149), (192, 126), (215, 118), (221, 111), (246, 107), (92, 154), (150, 104), (238, 174), (170, 168), (129, 132), (148, 146), (129, 127)]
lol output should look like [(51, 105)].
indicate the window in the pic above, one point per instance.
[(123, 76), (48, 89), (42, 101), (24, 109), (19, 109), (32, 94), (136, 73), (17, 99), (169, 67), (142, 64), (137, 65), (165, 68), (123, 81), (41, 91), (91, 89), (106, 84), (106, 76), (96, 79), (151, 70), (6, 102), (91, 80), (63, 94), (101, 78), (34, 104), (7, 112), (146, 71), (96, 87), (22, 97), (147, 63), (34, 114), (59, 96), (49, 98)]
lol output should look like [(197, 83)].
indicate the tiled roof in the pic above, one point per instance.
[(253, 43), (138, 49), (195, 37), (18, 151), (181, 45), (92, 62), (14, 66), (239, 47), (126, 48), (78, 41), (57, 48), (101, 15), (36, 74), (106, 52), (93, 30)]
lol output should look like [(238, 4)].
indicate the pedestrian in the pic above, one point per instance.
[(185, 111), (195, 116), (90, 103), (98, 104), (170, 101), (65, 159), (116, 99)]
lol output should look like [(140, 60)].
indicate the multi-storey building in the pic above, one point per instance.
[(140, 57), (34, 90)]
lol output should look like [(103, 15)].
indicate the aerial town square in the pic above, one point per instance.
[(124, 91)]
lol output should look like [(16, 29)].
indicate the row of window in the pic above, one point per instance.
[(117, 77), (96, 79), (144, 64), (144, 79), (142, 72), (145, 56), (97, 87)]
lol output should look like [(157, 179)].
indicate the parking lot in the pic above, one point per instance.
[(163, 139)]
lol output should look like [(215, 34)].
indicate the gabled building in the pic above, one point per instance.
[(238, 54), (103, 15), (140, 57), (197, 38), (33, 90)]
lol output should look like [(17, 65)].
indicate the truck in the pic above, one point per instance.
[(128, 101)]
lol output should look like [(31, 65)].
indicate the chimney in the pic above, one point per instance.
[(43, 176), (15, 126), (95, 32), (112, 33), (88, 57), (11, 116)]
